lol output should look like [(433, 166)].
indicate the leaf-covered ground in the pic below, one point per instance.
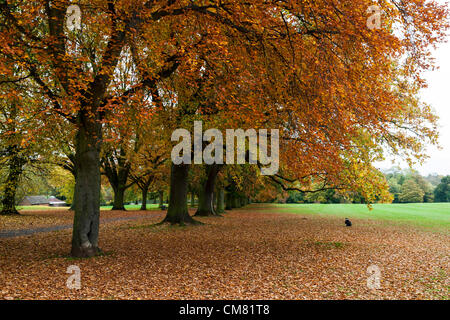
[(256, 253), (37, 218)]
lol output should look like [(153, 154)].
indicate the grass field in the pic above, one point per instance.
[(133, 207), (428, 215)]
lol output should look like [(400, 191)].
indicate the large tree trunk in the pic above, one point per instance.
[(12, 181), (206, 195), (144, 198), (87, 202), (117, 169), (119, 198), (177, 212), (220, 201)]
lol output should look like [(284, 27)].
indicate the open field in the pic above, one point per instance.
[(260, 252), (134, 207), (428, 215)]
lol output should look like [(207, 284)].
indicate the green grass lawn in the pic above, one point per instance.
[(39, 208), (432, 215), (134, 207)]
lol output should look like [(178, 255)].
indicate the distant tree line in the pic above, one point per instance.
[(327, 196), (406, 186)]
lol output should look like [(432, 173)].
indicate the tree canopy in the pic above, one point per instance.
[(339, 90)]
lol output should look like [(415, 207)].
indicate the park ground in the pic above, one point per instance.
[(258, 252)]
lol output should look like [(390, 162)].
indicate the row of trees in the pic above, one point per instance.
[(410, 187), (405, 186), (105, 98)]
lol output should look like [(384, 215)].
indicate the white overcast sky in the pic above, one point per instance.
[(438, 96)]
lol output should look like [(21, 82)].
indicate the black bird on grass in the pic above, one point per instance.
[(348, 223)]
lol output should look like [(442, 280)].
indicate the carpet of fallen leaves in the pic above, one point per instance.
[(247, 254), (36, 218)]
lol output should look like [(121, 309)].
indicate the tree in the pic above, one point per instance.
[(19, 118), (411, 192), (116, 168), (220, 199), (74, 71), (16, 162), (394, 188), (149, 168), (63, 182), (205, 200), (177, 212), (331, 143), (336, 89), (149, 159), (398, 178), (442, 191), (423, 184)]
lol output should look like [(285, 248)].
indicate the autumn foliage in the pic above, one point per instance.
[(339, 90)]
